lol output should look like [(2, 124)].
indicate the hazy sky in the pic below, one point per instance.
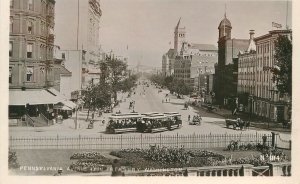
[(147, 26)]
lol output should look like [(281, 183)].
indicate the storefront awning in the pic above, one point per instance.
[(62, 98), (70, 104), (62, 106), (31, 97)]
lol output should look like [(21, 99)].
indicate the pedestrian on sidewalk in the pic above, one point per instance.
[(189, 117)]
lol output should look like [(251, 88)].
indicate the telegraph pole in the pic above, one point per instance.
[(77, 22)]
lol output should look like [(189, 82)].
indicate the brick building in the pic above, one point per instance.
[(194, 64), (225, 86), (32, 71), (267, 101), (246, 75)]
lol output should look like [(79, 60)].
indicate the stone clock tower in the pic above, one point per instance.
[(179, 37)]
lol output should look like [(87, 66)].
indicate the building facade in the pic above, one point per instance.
[(168, 60), (179, 37), (246, 75), (194, 64), (225, 86), (32, 72), (267, 101), (86, 39), (75, 62), (31, 44)]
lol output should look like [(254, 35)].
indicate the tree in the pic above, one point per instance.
[(128, 83), (118, 74), (97, 97), (181, 88), (282, 72)]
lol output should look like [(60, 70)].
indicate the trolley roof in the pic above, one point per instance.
[(125, 116), (150, 113), (172, 113), (156, 116)]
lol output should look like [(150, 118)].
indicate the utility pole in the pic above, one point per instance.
[(76, 120), (77, 22)]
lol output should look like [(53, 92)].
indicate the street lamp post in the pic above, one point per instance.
[(269, 113), (270, 100), (76, 116)]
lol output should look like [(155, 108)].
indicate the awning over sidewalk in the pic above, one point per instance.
[(63, 99), (62, 106), (31, 97)]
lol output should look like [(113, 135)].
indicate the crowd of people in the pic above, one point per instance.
[(124, 123), (149, 124)]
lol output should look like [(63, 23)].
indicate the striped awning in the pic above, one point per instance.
[(31, 97)]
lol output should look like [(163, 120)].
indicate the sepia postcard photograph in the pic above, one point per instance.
[(171, 89)]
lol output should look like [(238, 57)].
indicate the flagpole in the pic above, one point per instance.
[(287, 11), (77, 22)]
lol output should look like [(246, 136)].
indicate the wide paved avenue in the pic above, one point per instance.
[(147, 99)]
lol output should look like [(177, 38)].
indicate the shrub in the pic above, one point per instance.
[(13, 160)]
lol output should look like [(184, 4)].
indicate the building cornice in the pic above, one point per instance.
[(271, 33)]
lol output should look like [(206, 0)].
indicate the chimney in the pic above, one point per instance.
[(251, 34)]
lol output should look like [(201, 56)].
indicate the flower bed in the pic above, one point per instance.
[(268, 153), (13, 160), (89, 162), (156, 157), (162, 157), (90, 165), (87, 155)]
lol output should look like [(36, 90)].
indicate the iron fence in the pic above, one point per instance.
[(123, 141)]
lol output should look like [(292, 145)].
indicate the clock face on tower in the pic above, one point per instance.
[(185, 46)]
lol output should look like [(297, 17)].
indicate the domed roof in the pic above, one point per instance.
[(225, 22)]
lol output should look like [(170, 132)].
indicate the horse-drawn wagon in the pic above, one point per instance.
[(237, 123)]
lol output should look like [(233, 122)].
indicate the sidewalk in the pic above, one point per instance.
[(254, 121)]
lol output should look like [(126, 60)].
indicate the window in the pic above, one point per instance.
[(83, 55), (29, 74), (42, 27), (11, 25), (29, 50), (30, 4), (63, 55), (10, 49), (30, 27), (10, 75)]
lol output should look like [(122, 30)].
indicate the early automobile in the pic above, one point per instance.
[(196, 120)]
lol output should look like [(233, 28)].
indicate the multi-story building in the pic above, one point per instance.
[(267, 101), (168, 60), (194, 63), (226, 70), (75, 62), (246, 75), (31, 63), (31, 43), (189, 62), (82, 36)]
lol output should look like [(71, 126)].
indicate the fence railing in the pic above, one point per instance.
[(194, 141), (45, 119), (272, 169), (29, 120), (281, 143)]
